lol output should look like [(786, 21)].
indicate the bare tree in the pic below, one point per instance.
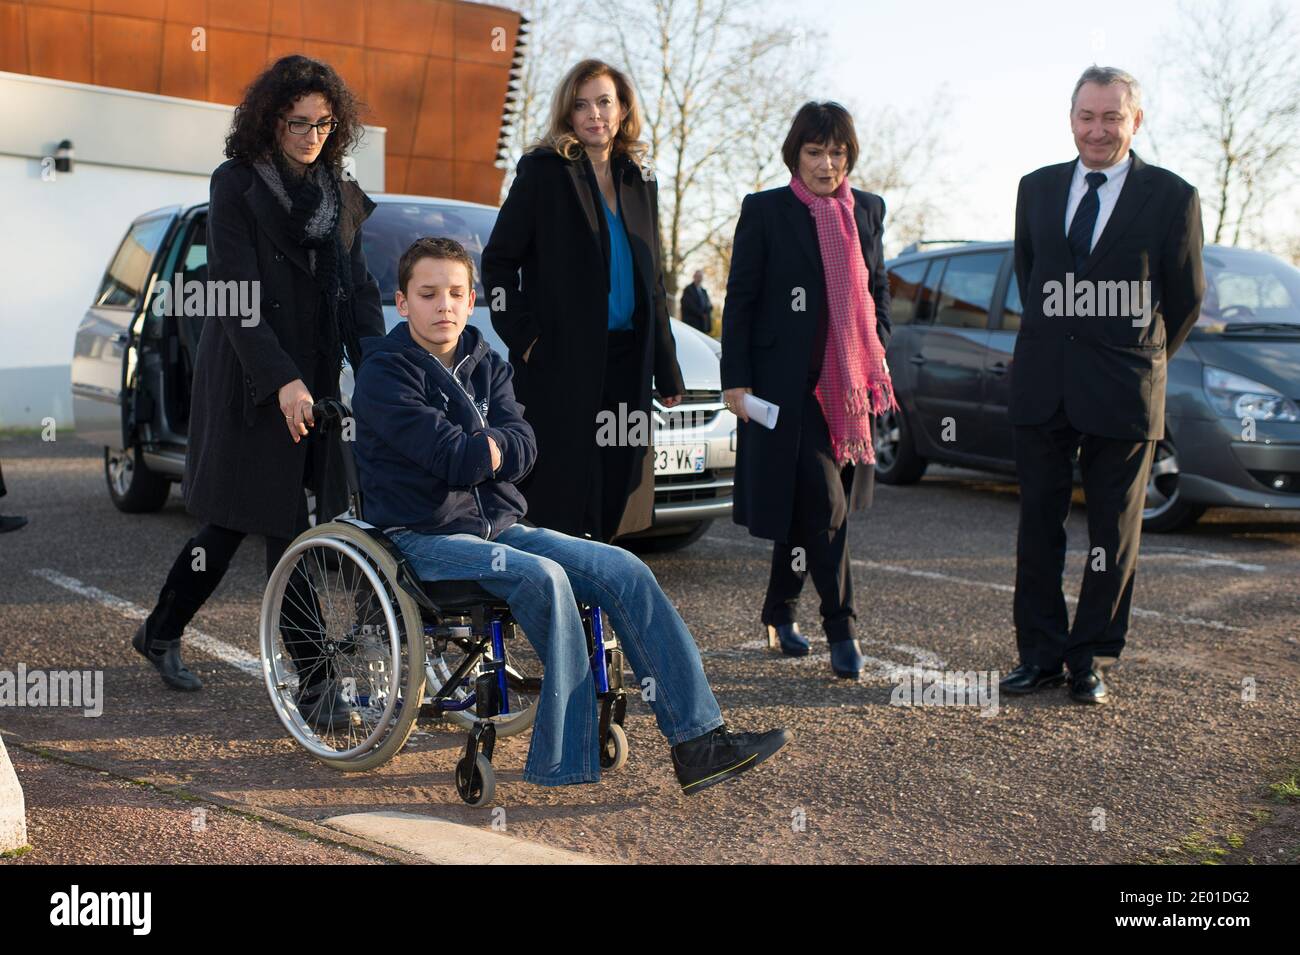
[(551, 49), (1242, 80), (711, 79)]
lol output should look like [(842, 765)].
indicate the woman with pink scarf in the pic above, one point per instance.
[(804, 328)]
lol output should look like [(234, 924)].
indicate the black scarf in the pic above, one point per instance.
[(302, 195)]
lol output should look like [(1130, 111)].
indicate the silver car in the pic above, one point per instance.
[(131, 369)]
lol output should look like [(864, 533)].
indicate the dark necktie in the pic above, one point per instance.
[(1085, 220)]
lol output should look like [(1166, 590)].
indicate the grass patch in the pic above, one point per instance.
[(1288, 790)]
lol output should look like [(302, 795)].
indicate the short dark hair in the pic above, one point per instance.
[(427, 247), (824, 123)]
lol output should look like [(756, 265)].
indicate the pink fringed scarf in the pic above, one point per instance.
[(854, 382)]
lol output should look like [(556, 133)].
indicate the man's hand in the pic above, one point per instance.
[(495, 452), (295, 404), (734, 399)]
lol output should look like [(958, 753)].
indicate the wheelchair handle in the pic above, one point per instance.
[(328, 410)]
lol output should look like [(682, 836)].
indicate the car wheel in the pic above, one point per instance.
[(1165, 510), (896, 459), (132, 486), (664, 543)]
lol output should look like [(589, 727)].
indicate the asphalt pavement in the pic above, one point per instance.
[(1203, 720)]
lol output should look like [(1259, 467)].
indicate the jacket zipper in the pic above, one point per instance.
[(483, 421)]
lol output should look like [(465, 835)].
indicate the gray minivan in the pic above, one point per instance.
[(132, 368), (1232, 431)]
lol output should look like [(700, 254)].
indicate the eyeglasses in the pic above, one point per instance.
[(300, 127)]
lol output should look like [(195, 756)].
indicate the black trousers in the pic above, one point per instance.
[(612, 476), (818, 540), (1115, 474), (199, 569)]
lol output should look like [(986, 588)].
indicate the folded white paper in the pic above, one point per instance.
[(760, 411)]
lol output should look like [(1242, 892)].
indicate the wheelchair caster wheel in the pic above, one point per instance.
[(614, 753), (476, 782)]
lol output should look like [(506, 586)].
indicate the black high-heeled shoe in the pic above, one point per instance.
[(846, 659), (787, 637)]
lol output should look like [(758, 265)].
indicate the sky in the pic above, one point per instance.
[(1008, 67)]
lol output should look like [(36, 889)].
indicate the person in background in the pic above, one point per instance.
[(11, 522), (697, 310)]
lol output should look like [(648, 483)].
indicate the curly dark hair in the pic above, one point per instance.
[(253, 133)]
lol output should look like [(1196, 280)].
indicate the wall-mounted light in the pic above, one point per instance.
[(63, 157)]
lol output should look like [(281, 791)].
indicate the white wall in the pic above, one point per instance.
[(133, 152)]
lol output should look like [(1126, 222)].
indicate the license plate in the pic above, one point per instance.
[(681, 458)]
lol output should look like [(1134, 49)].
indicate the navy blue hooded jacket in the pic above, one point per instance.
[(421, 440)]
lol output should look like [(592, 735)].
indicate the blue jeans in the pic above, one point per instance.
[(542, 575)]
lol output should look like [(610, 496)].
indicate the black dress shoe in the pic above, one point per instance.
[(12, 523), (166, 657), (788, 638), (718, 756), (1088, 687), (324, 708), (1027, 678), (846, 659)]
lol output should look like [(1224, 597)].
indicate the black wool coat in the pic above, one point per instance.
[(242, 469), (546, 275), (776, 302)]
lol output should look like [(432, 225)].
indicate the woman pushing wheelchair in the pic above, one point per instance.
[(440, 443)]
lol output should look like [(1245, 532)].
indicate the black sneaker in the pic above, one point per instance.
[(718, 756)]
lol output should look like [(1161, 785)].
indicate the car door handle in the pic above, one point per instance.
[(998, 368), (917, 359)]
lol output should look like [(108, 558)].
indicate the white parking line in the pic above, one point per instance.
[(1201, 558), (225, 652), (993, 585)]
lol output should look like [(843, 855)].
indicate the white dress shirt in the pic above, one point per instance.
[(1107, 193)]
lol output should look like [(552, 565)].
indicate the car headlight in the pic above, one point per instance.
[(1235, 396)]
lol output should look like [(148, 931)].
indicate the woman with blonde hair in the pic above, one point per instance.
[(574, 280)]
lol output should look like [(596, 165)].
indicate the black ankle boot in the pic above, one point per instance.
[(158, 640)]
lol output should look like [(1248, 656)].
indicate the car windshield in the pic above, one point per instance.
[(396, 223), (1247, 291)]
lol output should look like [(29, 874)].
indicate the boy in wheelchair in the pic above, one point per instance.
[(440, 441)]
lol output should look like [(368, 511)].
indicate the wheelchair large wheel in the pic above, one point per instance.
[(349, 628)]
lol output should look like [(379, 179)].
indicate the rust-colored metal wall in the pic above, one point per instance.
[(437, 73)]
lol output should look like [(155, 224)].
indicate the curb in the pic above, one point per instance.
[(13, 812), (443, 842)]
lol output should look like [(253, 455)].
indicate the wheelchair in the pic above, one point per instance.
[(344, 610)]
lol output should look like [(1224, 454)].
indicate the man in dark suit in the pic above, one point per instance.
[(1108, 260), (697, 310)]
